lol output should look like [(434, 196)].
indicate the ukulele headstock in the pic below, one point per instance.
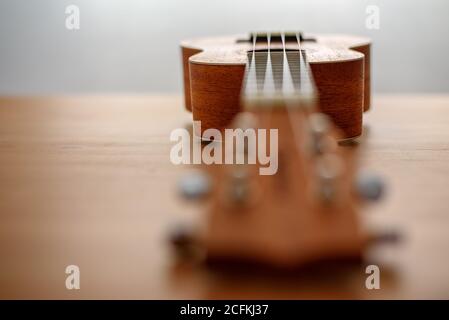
[(305, 212)]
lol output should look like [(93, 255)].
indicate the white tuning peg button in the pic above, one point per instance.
[(369, 187), (195, 185)]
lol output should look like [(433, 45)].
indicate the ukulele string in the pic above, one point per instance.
[(291, 106)]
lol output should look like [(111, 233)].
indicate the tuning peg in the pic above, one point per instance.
[(329, 168), (389, 237), (239, 186), (369, 187), (180, 236), (239, 193), (182, 240), (195, 185), (386, 237), (319, 124)]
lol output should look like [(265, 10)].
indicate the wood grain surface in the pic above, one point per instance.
[(88, 181)]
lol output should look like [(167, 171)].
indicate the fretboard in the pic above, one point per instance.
[(276, 76)]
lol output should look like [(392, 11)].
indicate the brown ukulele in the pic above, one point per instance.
[(308, 210), (214, 70)]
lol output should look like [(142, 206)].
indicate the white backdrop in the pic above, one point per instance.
[(132, 45)]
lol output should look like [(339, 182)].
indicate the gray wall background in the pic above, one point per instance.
[(132, 45)]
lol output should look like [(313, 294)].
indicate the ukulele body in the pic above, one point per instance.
[(214, 69)]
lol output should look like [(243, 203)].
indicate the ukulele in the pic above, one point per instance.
[(307, 211), (214, 70)]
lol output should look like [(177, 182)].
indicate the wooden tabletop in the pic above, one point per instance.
[(88, 181)]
